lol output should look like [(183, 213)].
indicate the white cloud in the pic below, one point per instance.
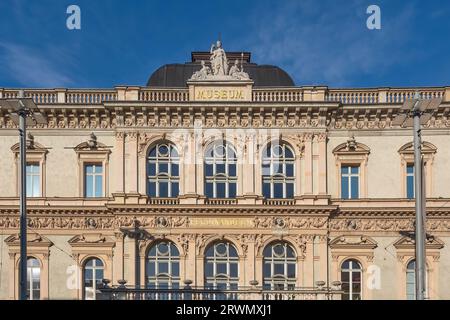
[(34, 68), (327, 44)]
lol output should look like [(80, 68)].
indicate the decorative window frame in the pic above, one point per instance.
[(352, 153), (299, 245), (87, 154), (92, 245), (357, 247), (36, 153), (179, 241), (407, 157), (146, 142), (405, 247), (38, 247)]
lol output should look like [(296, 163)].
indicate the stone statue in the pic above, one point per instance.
[(237, 73), (203, 73), (218, 59)]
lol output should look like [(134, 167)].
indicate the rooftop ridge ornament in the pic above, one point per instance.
[(220, 69)]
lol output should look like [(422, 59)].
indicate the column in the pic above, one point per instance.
[(119, 162), (118, 258), (309, 262), (188, 267), (308, 164), (131, 162), (322, 140)]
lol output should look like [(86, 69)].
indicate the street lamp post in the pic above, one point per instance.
[(22, 109), (415, 112)]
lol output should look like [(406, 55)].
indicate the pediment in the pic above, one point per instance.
[(351, 147), (427, 147), (34, 148), (353, 241), (33, 240), (407, 242), (87, 146), (91, 239)]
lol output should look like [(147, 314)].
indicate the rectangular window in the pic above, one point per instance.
[(410, 181), (350, 182), (93, 180), (33, 174)]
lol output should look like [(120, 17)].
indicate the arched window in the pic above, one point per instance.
[(278, 171), (351, 277), (163, 176), (221, 266), (411, 281), (280, 264), (33, 279), (220, 170), (93, 276), (163, 266)]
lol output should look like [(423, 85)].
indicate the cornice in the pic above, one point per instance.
[(296, 115)]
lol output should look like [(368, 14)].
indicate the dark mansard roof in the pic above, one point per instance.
[(175, 75)]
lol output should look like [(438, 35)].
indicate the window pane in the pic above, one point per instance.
[(410, 169), (29, 186), (209, 170), (344, 188), (163, 189), (163, 168), (278, 190), (175, 269), (209, 190), (266, 169), (152, 169), (266, 190), (99, 274), (175, 170), (220, 168), (355, 188), (232, 170), (89, 186), (410, 187), (278, 269), (89, 169), (163, 267), (289, 190), (232, 190), (233, 270), (36, 187), (221, 268), (345, 170), (151, 269), (209, 270), (98, 186), (220, 193), (151, 189), (289, 170), (175, 189), (355, 170)]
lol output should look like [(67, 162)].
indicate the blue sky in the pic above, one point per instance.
[(318, 42)]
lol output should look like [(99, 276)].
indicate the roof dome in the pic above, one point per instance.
[(176, 75)]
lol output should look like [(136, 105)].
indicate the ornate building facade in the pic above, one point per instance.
[(224, 176)]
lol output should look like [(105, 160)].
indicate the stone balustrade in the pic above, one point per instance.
[(195, 294), (296, 94)]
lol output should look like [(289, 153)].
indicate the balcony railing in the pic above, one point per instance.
[(191, 293)]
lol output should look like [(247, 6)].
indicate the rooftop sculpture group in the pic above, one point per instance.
[(220, 70)]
